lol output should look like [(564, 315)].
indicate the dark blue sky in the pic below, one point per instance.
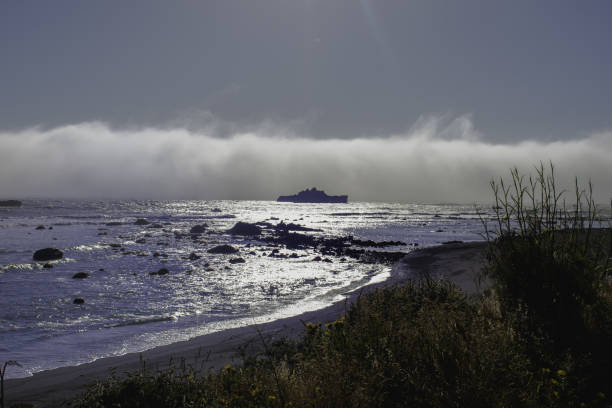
[(523, 69)]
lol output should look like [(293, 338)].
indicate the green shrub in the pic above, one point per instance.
[(421, 344)]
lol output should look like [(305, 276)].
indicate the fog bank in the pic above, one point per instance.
[(437, 160)]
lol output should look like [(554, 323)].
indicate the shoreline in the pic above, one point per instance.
[(458, 262)]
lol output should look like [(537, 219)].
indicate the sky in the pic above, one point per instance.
[(410, 101)]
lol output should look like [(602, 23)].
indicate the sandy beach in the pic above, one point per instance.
[(459, 262)]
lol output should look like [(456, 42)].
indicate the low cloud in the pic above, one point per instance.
[(436, 160)]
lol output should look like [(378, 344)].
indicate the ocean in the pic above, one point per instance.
[(129, 307)]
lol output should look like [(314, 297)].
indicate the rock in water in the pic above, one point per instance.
[(141, 221), (78, 301), (198, 229), (40, 227), (223, 249), (236, 260), (48, 254), (10, 203), (80, 275), (244, 228), (162, 271), (193, 256)]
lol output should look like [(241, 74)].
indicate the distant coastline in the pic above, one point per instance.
[(10, 203)]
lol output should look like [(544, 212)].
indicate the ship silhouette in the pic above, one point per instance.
[(313, 196)]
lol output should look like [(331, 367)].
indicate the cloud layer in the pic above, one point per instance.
[(437, 160)]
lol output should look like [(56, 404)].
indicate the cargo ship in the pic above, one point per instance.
[(313, 196)]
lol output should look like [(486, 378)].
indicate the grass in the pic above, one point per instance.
[(541, 337)]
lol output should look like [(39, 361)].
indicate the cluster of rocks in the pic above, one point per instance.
[(53, 254), (287, 235), (290, 236)]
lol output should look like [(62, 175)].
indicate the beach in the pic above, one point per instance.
[(459, 262)]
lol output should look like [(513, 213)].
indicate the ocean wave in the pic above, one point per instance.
[(88, 247), (139, 321), (83, 217), (26, 266), (363, 214)]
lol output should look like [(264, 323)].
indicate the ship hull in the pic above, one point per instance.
[(342, 199)]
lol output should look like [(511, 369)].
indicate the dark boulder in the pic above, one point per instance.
[(113, 223), (80, 275), (48, 254), (78, 301), (223, 249), (141, 221), (244, 228), (236, 260), (40, 227), (198, 229), (10, 203), (141, 241), (48, 265), (162, 271), (193, 256), (294, 240)]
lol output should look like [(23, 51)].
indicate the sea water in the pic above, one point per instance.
[(126, 309)]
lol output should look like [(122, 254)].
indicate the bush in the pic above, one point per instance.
[(421, 344), (550, 268)]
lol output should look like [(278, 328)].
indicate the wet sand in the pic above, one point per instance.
[(458, 262)]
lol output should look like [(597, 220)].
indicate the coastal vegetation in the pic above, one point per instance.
[(540, 335)]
